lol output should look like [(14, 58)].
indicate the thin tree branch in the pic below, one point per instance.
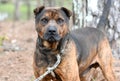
[(104, 17)]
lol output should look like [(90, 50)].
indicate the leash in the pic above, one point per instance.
[(50, 69)]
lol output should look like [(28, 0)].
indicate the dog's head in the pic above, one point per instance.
[(52, 23)]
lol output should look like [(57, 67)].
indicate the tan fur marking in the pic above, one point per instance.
[(68, 69), (105, 60)]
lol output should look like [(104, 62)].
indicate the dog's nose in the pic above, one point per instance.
[(52, 30)]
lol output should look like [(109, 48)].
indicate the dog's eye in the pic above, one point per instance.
[(44, 21), (60, 21)]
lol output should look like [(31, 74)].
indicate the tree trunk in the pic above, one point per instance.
[(79, 13), (104, 17), (38, 3), (28, 9), (17, 10), (49, 3)]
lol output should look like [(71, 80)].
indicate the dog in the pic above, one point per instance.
[(84, 48)]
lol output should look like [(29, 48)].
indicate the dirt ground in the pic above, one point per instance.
[(17, 52)]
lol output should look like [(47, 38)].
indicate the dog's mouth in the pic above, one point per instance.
[(51, 34), (51, 37)]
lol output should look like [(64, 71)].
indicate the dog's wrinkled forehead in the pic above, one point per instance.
[(52, 12)]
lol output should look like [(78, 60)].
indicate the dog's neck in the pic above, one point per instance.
[(52, 48)]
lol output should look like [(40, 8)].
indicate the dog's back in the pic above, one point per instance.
[(93, 51), (86, 39)]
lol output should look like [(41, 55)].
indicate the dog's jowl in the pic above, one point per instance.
[(84, 48)]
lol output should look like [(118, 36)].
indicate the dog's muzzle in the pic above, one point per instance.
[(51, 34)]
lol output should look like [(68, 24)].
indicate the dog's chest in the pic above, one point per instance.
[(42, 60)]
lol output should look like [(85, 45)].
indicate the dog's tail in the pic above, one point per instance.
[(104, 17)]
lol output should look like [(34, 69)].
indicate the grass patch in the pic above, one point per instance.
[(2, 38), (6, 7), (9, 8)]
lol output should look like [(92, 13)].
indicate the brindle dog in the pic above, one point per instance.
[(83, 48)]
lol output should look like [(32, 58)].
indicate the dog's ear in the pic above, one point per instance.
[(67, 12), (38, 10)]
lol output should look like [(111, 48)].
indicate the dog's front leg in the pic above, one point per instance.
[(68, 68)]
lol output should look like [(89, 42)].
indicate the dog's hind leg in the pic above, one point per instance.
[(105, 60)]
